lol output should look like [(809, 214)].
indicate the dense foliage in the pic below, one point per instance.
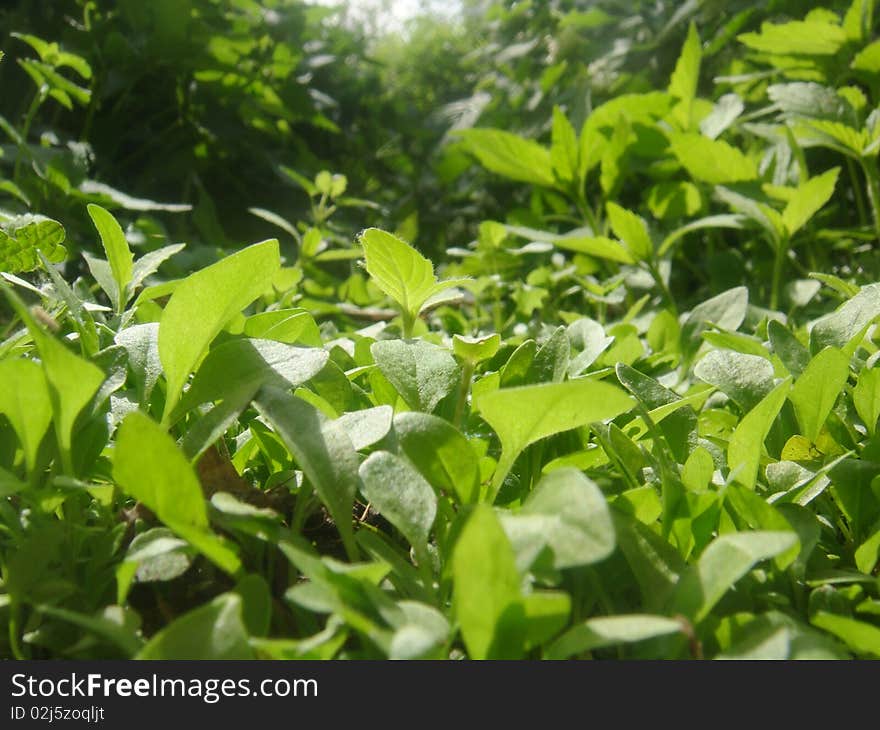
[(608, 389)]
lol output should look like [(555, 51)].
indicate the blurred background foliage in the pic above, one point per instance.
[(221, 104)]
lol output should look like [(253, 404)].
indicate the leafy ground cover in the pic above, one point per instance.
[(633, 416)]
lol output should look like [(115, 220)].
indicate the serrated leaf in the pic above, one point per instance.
[(564, 148), (509, 155), (797, 37), (710, 160), (632, 230), (808, 199), (22, 237)]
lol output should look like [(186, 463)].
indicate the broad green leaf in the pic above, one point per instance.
[(815, 391), (546, 614), (747, 442), (401, 495), (510, 156), (423, 630), (25, 401), (674, 199), (521, 416), (630, 229), (72, 380), (725, 112), (323, 451), (401, 272), (284, 325), (118, 253), (158, 555), (727, 559), (23, 236), (744, 378), (486, 593), (835, 135), (710, 160), (868, 59), (866, 398), (422, 373), (368, 426), (150, 262), (149, 467), (811, 100), (230, 366), (758, 514), (597, 633), (567, 513), (441, 453), (203, 303), (726, 310), (808, 199), (564, 148), (141, 342), (793, 354), (696, 474), (797, 37), (476, 349), (861, 637), (214, 630), (598, 246), (841, 327)]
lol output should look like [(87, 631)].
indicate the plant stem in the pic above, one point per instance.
[(467, 372), (36, 103), (872, 174), (780, 251)]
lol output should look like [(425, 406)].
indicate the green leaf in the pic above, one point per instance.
[(72, 380), (868, 59), (486, 594), (793, 354), (158, 556), (797, 38), (808, 199), (323, 451), (368, 426), (744, 378), (521, 416), (284, 325), (815, 391), (510, 156), (710, 160), (240, 362), (674, 199), (727, 559), (632, 230), (401, 272), (25, 401), (566, 512), (683, 83), (201, 306), (149, 467), (861, 637), (841, 327), (422, 373), (866, 398), (597, 633), (546, 614), (747, 442), (118, 253), (401, 495), (564, 148), (214, 630), (440, 453), (23, 236), (696, 474), (476, 349), (726, 310)]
